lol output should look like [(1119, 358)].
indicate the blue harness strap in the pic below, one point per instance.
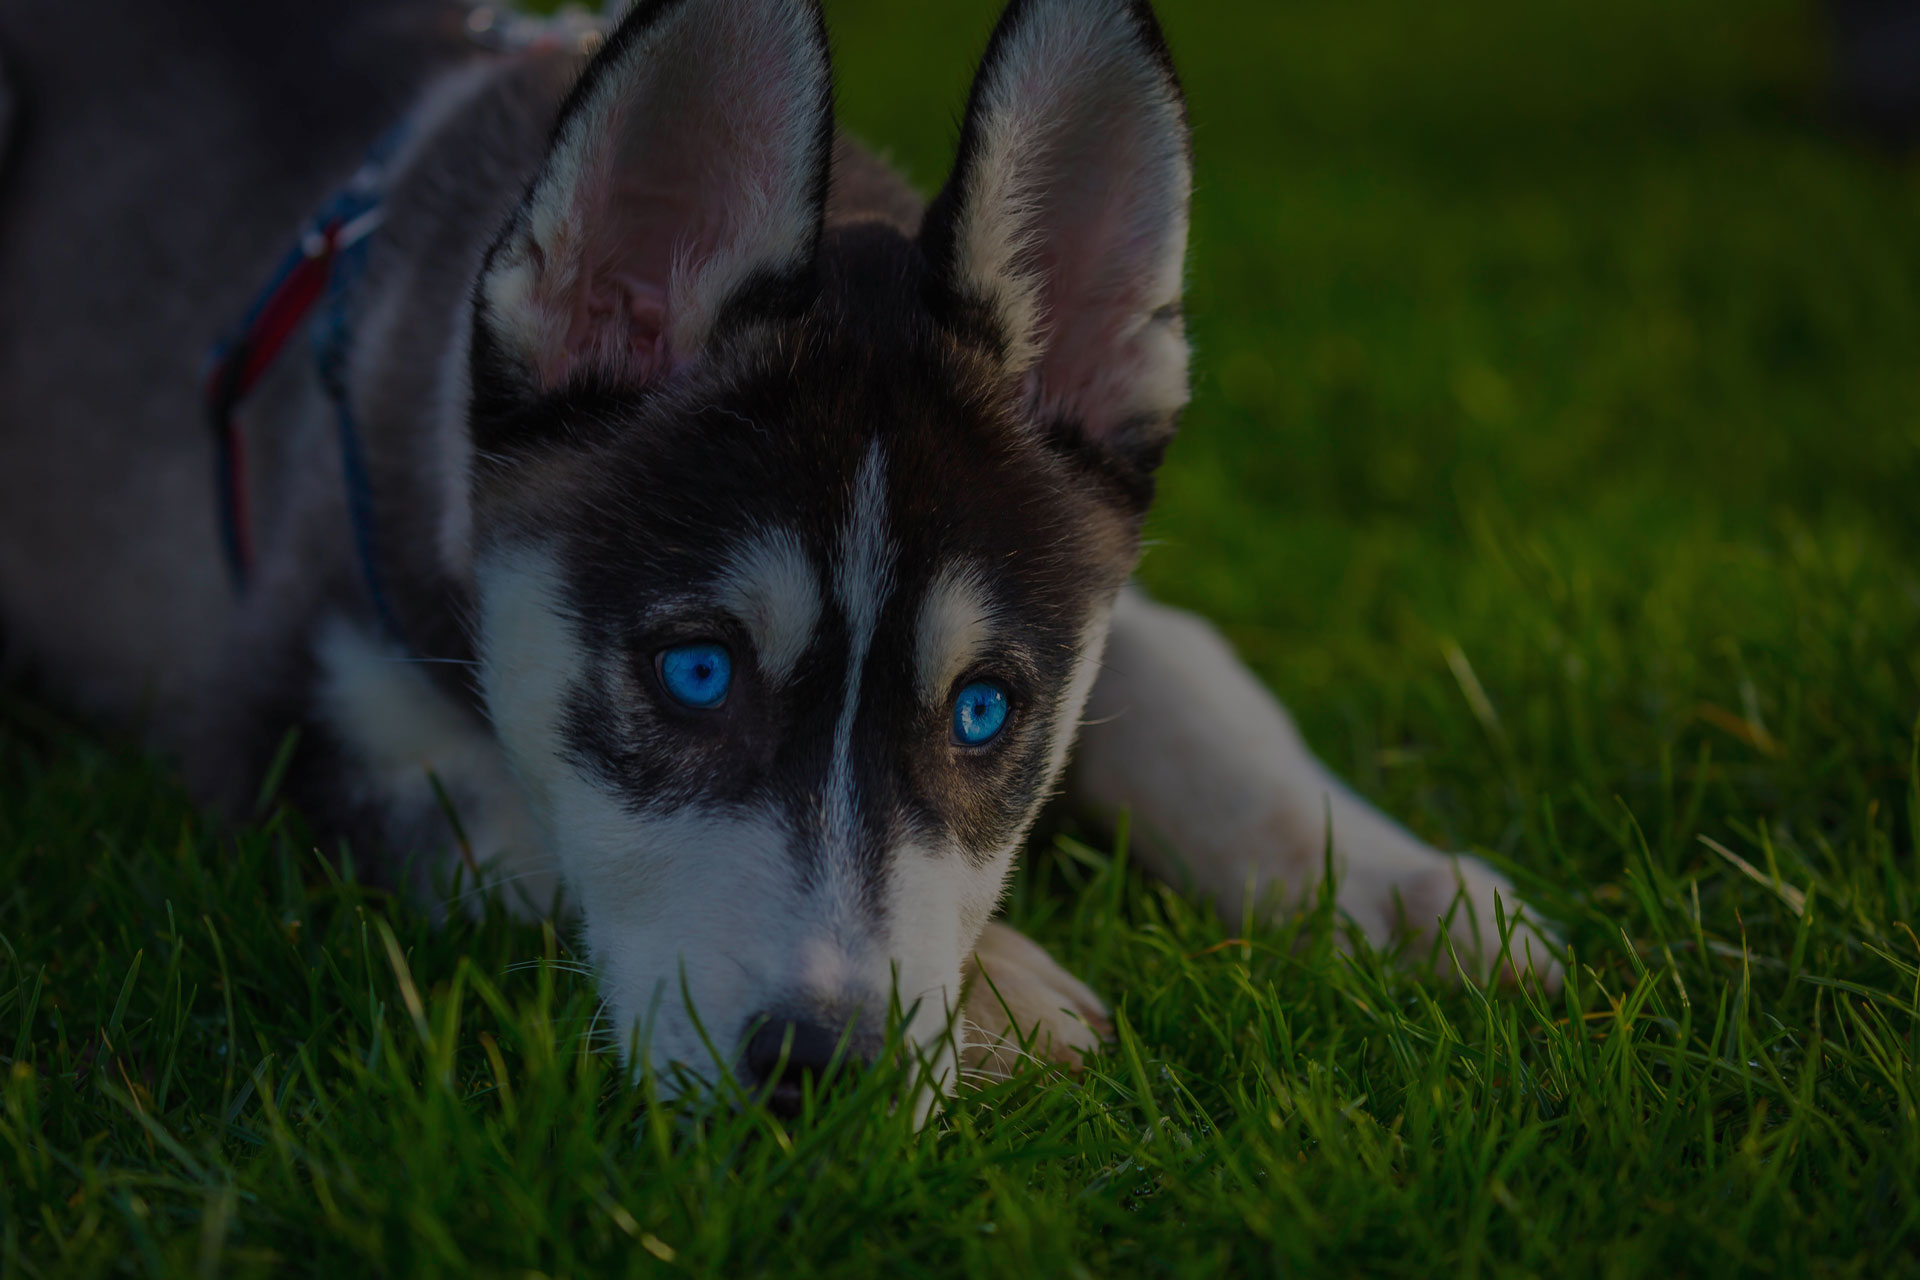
[(322, 269), (359, 205)]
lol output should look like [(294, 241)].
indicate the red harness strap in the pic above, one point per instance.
[(237, 366)]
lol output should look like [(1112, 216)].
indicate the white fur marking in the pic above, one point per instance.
[(956, 625), (1073, 700), (770, 585), (402, 728), (862, 581)]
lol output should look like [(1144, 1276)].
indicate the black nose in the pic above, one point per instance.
[(808, 1050)]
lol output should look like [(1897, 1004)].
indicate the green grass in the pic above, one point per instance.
[(1552, 350)]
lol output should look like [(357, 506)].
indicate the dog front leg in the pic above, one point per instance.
[(1227, 800), (1020, 1004)]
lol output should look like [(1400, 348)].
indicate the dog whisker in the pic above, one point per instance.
[(563, 966), (496, 883)]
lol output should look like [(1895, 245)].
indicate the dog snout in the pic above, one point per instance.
[(785, 1053)]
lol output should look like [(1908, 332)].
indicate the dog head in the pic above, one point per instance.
[(795, 544)]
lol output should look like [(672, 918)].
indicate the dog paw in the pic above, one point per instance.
[(1021, 1006), (1460, 892)]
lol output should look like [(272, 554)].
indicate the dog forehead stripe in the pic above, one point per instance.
[(771, 586), (862, 581)]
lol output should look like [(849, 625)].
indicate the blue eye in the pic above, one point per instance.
[(696, 675), (979, 713)]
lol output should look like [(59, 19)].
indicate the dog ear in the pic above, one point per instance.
[(688, 165), (1062, 232)]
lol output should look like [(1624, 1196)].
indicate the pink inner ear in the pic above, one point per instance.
[(1107, 257), (619, 326), (638, 212), (693, 169), (1097, 270)]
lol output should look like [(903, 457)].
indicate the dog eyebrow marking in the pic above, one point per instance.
[(771, 586), (956, 624), (862, 581)]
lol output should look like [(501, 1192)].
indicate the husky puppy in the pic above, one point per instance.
[(750, 544)]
